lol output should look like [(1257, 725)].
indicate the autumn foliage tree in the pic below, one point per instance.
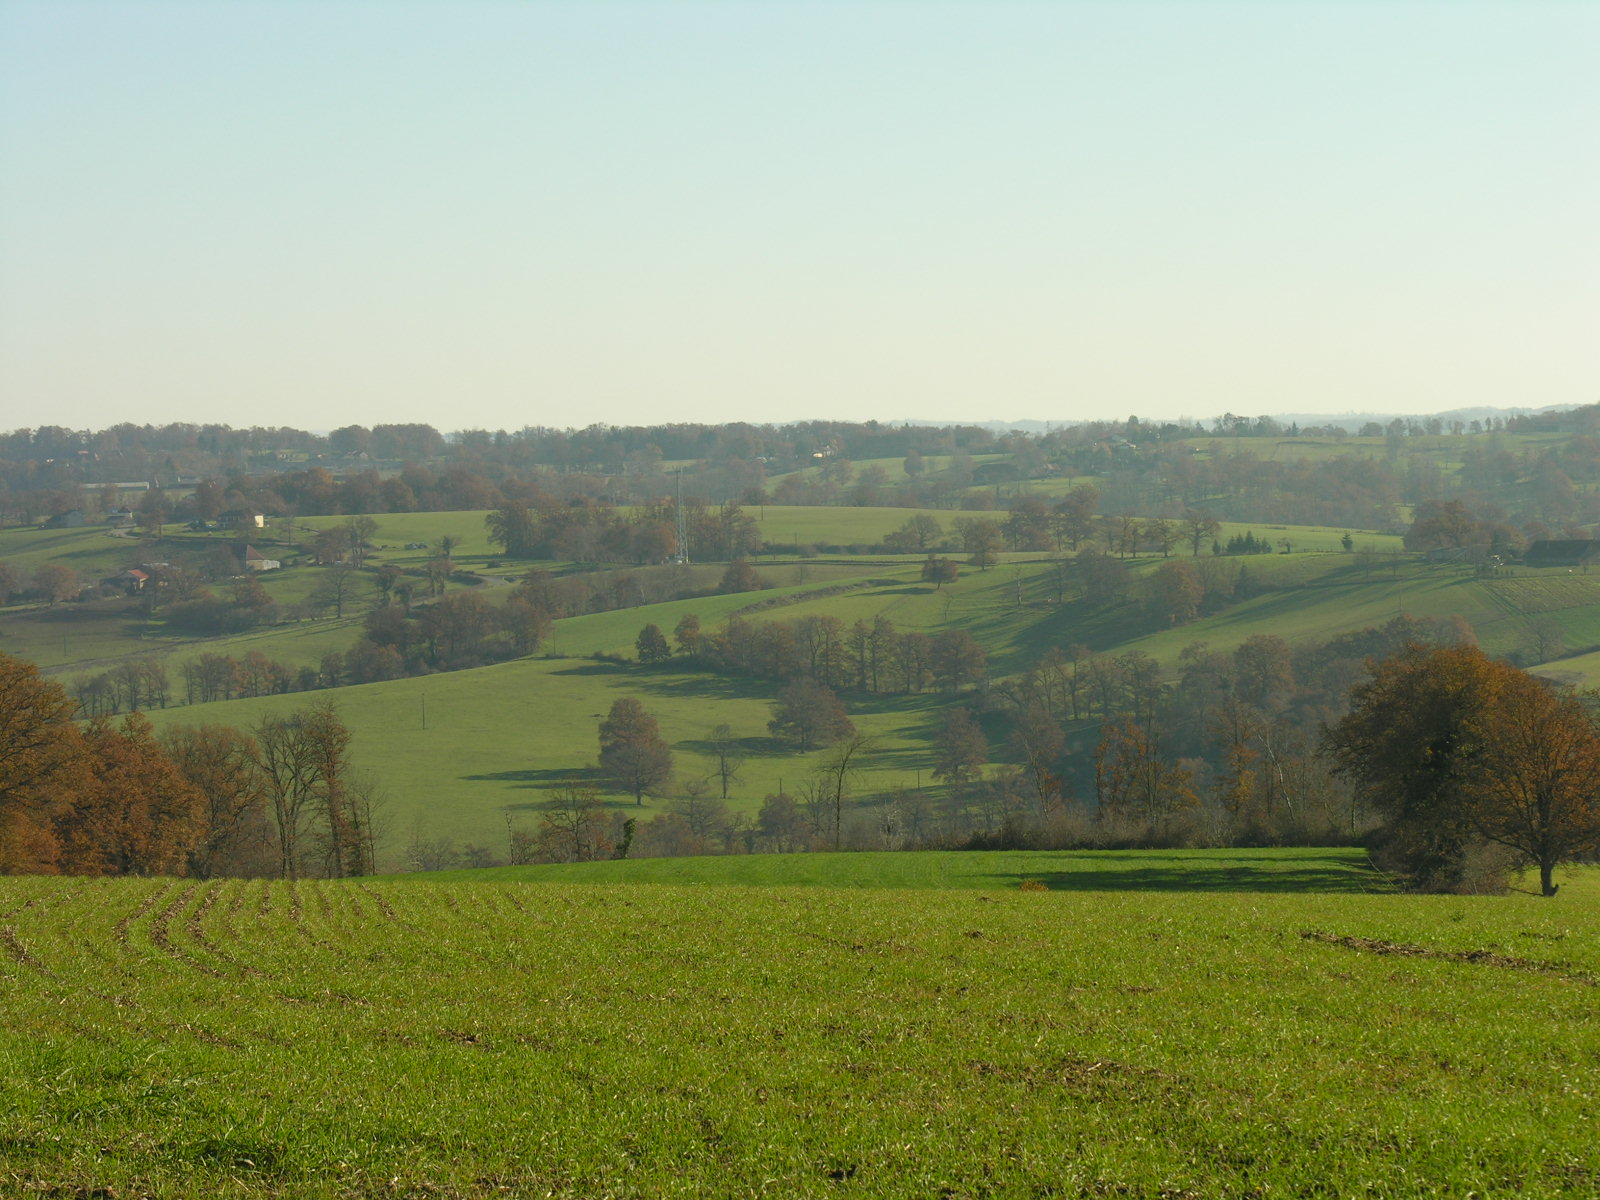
[(809, 715), (1453, 747), (651, 645), (101, 799), (39, 746), (1408, 746), (1538, 787), (131, 811), (633, 755)]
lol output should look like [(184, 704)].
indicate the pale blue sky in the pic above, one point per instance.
[(498, 214)]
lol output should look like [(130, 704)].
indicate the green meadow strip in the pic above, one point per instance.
[(1158, 1034)]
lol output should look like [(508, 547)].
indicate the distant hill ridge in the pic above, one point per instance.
[(1351, 421)]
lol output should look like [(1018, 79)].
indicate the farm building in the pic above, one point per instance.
[(252, 559), (132, 580)]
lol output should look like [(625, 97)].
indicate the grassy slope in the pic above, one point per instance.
[(499, 736), (92, 550), (187, 1039)]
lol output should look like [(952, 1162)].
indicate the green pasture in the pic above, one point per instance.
[(396, 529), (1578, 670), (80, 635), (846, 526), (894, 469), (189, 1039), (499, 738), (92, 551), (1316, 596), (455, 753), (617, 631), (69, 641)]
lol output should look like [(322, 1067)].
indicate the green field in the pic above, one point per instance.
[(1142, 1032), (1234, 870), (91, 550), (499, 737)]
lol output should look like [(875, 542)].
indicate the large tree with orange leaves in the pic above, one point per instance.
[(39, 745), (1452, 746)]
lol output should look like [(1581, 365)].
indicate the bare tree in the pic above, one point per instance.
[(725, 748), (575, 826), (837, 775)]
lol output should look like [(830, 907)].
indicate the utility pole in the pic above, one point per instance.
[(683, 525)]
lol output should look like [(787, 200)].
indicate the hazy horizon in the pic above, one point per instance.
[(495, 215)]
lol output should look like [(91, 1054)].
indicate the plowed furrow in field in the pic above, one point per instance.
[(122, 932), (194, 926), (381, 901), (161, 930)]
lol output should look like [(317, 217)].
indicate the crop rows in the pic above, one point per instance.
[(180, 1038)]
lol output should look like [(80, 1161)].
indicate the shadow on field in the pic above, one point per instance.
[(539, 778), (700, 687), (1236, 874), (746, 746)]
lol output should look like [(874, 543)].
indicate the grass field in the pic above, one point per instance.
[(1236, 870), (91, 550), (456, 753), (1152, 1036)]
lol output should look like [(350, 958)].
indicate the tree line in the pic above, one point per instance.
[(865, 656), (110, 797), (1140, 467)]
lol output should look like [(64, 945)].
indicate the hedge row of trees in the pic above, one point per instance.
[(109, 797), (864, 656), (144, 683)]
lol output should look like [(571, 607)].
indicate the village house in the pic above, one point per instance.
[(251, 559)]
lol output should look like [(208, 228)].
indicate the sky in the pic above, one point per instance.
[(497, 214)]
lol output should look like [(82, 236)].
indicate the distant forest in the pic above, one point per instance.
[(1510, 488)]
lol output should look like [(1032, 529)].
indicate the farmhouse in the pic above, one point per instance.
[(132, 580), (252, 559)]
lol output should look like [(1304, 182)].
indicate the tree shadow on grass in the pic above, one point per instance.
[(1332, 875), (746, 747), (906, 758), (593, 668), (707, 687), (540, 778)]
